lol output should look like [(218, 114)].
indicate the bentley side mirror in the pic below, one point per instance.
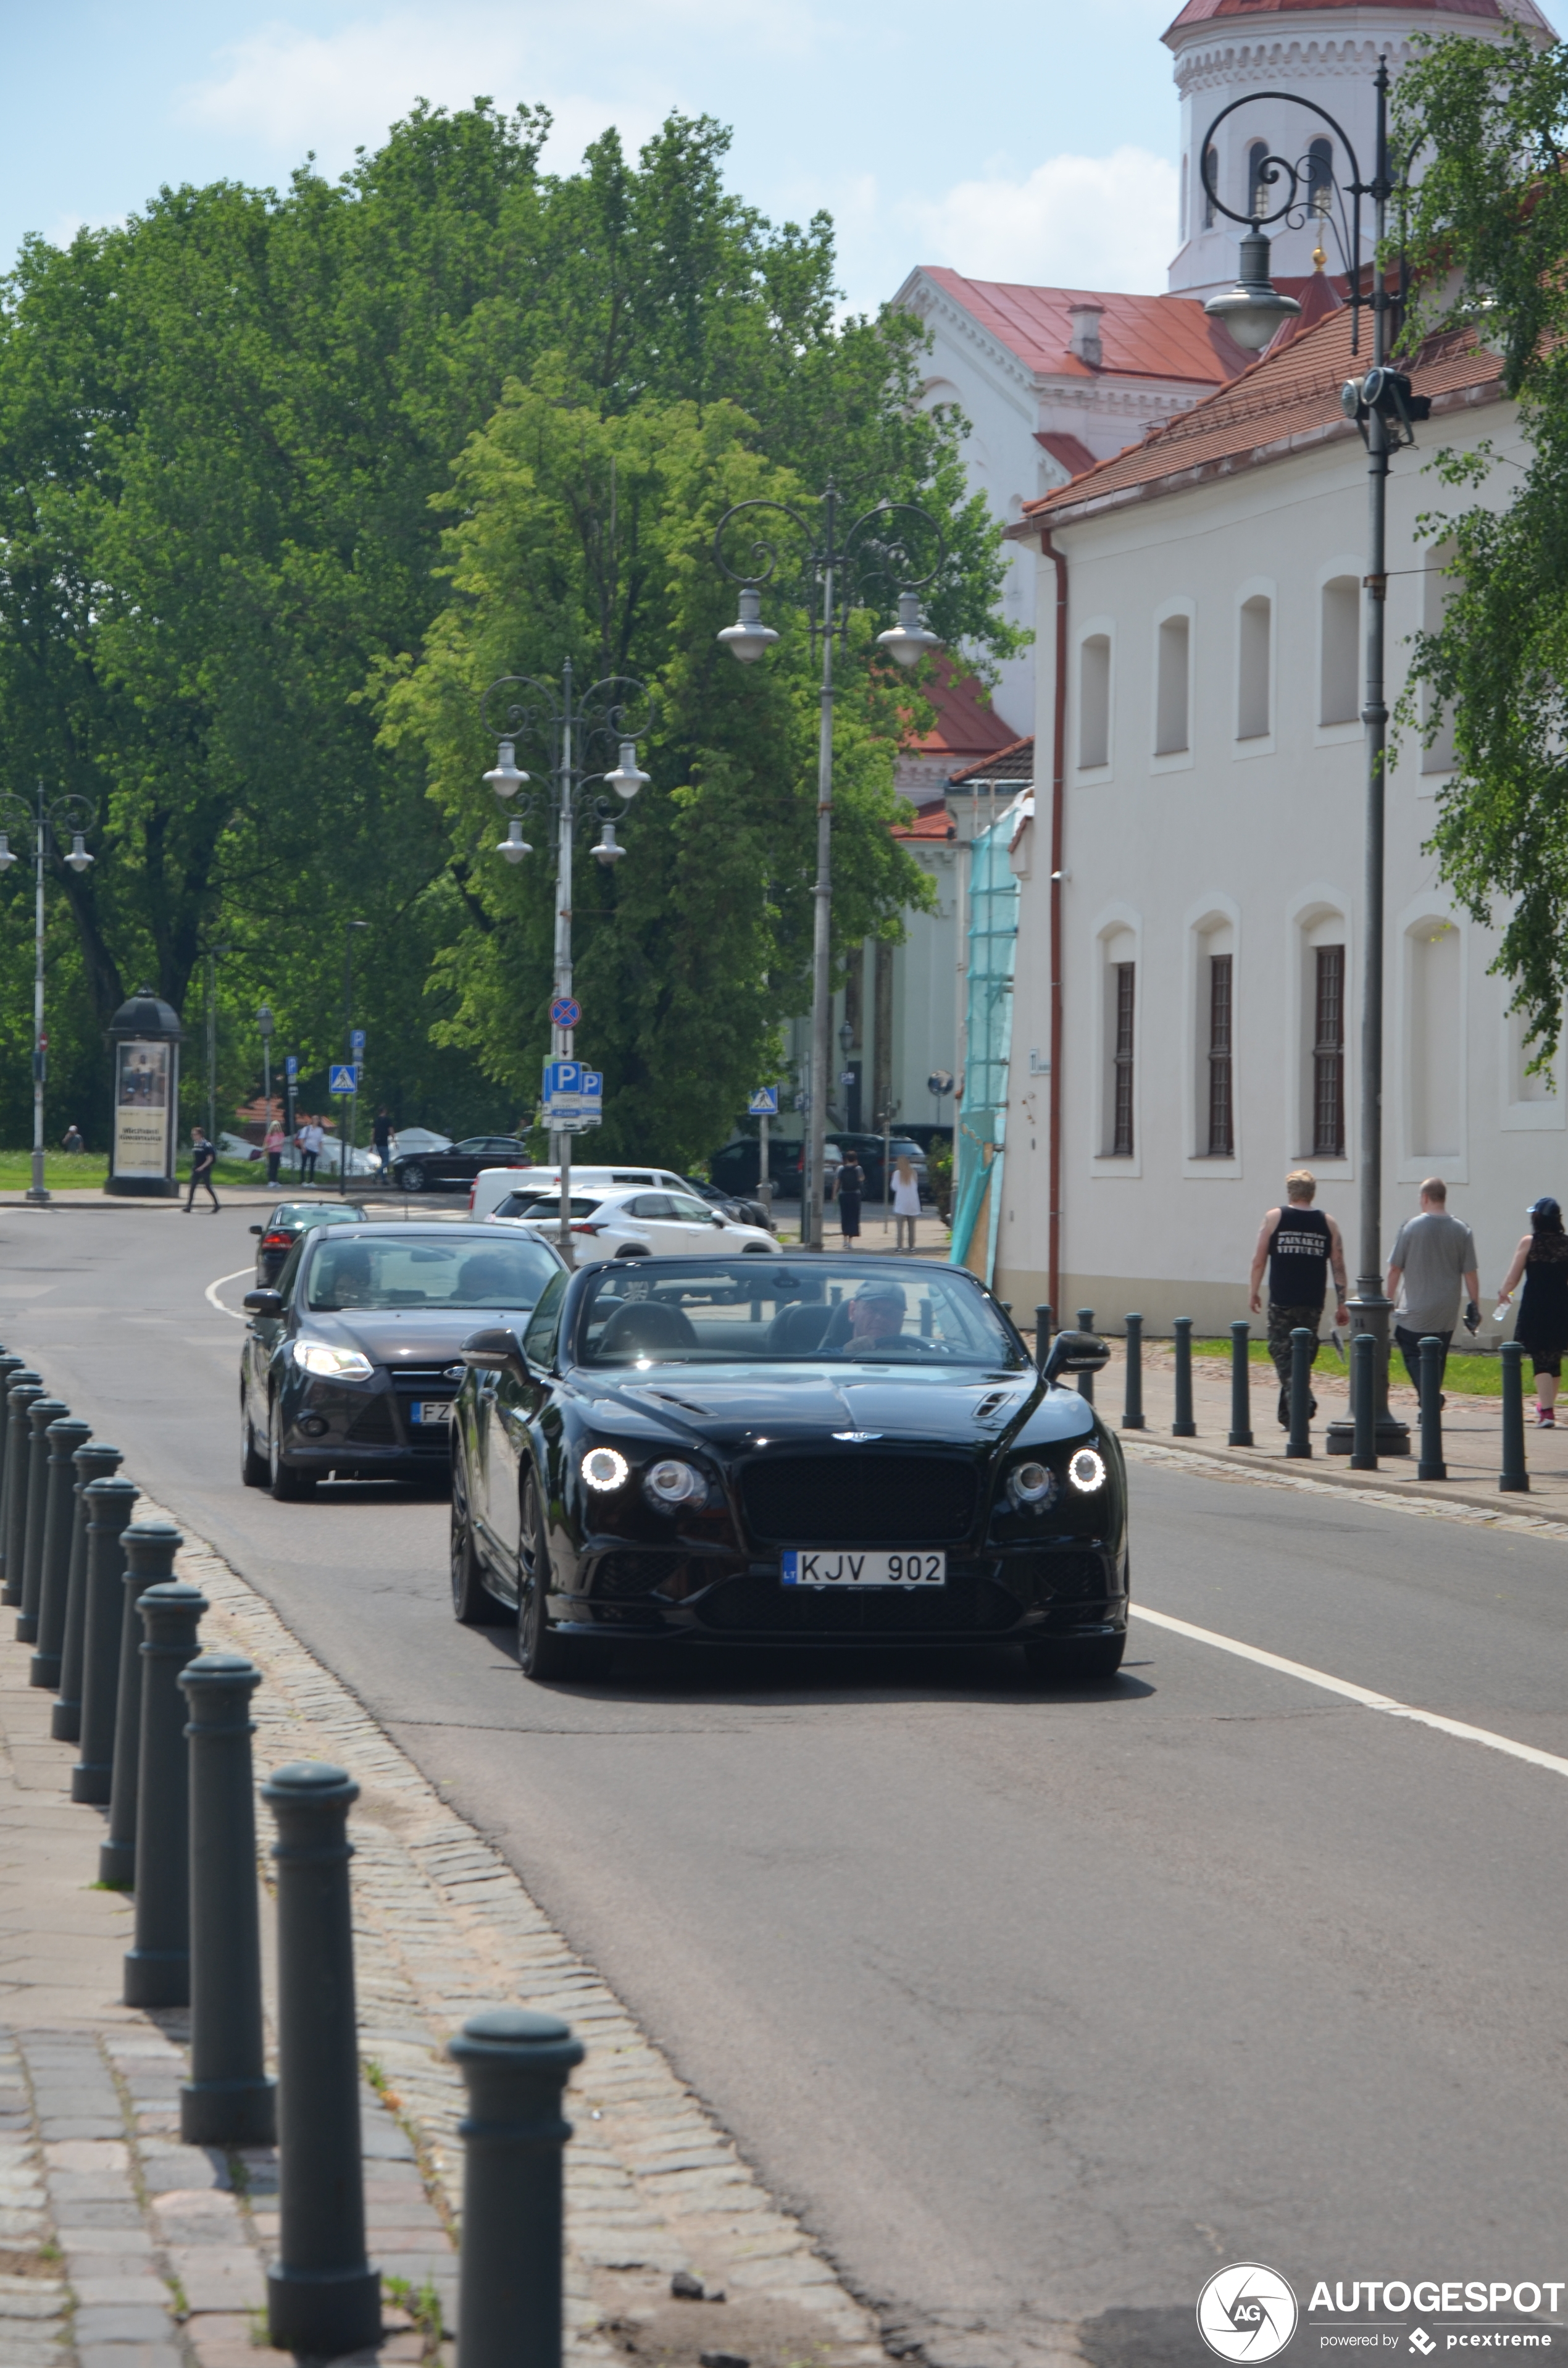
[(496, 1350), (1076, 1353), (264, 1303)]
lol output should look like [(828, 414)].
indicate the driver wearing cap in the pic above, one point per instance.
[(876, 1314)]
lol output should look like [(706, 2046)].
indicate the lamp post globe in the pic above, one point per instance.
[(748, 638), (1254, 310)]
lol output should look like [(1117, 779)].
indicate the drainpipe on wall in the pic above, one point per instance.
[(1057, 812)]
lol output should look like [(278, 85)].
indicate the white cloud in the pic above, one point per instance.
[(1076, 222)]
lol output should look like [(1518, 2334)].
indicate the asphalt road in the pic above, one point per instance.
[(1038, 2007)]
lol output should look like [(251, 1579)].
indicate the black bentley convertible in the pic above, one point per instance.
[(804, 1452)]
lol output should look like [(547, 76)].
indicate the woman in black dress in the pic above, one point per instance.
[(851, 1184), (1542, 1327)]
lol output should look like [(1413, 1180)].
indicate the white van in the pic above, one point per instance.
[(492, 1185)]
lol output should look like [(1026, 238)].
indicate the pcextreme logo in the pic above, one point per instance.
[(1247, 2312)]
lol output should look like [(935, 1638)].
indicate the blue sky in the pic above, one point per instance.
[(1019, 139)]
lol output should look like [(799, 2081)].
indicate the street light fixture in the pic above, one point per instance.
[(1384, 409), (875, 547), (614, 712), (69, 817)]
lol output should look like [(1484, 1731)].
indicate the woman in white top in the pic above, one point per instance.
[(905, 1201)]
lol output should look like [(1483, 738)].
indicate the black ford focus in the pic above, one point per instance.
[(352, 1361), (822, 1451)]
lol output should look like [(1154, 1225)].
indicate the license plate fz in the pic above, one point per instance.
[(842, 1567), (431, 1410)]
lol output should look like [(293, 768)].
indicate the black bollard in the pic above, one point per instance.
[(110, 1504), (1132, 1404), (1431, 1466), (228, 2099), (1364, 1403), (149, 1548), (12, 1368), (157, 1969), (96, 1460), (14, 1475), (1514, 1479), (1041, 1335), (41, 1414), (322, 2296), (1182, 1426), (1299, 1441), (515, 2064), (1241, 1385), (1087, 1380), (64, 1438)]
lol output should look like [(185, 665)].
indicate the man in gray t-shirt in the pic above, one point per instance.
[(1433, 1255)]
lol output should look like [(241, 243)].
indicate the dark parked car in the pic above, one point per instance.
[(737, 1169), (435, 1171), (278, 1237), (745, 1213), (351, 1363), (772, 1452), (867, 1150)]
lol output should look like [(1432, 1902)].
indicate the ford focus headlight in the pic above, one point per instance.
[(605, 1468), (1087, 1470), (670, 1483), (330, 1365), (1033, 1485)]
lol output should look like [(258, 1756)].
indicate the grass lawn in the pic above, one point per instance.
[(61, 1169), (1472, 1376)]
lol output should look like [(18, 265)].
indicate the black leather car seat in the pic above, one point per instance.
[(646, 1323), (797, 1330)]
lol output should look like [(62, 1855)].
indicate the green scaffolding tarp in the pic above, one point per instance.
[(982, 1129)]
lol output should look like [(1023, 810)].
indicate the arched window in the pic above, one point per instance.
[(1319, 176), (1211, 161), (1258, 189)]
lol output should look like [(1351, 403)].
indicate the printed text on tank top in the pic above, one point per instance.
[(1297, 1258)]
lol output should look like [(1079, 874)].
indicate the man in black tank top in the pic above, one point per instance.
[(1301, 1247)]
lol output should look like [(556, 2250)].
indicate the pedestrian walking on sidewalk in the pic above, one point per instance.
[(905, 1201), (1299, 1247), (851, 1185), (1541, 1326), (1433, 1253), (203, 1159), (273, 1147)]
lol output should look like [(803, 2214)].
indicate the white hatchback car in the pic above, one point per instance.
[(636, 1222)]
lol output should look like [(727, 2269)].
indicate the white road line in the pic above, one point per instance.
[(1361, 1694), (210, 1294)]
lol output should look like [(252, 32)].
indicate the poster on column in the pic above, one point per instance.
[(141, 1108)]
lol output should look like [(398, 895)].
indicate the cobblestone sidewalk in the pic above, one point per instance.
[(121, 2247)]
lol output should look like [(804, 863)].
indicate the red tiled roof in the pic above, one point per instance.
[(1140, 337), (1015, 760), (965, 727), (1068, 451), (1492, 12), (1287, 399), (932, 821)]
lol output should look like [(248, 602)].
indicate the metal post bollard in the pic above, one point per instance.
[(157, 1969), (12, 1368), (64, 1438), (322, 2296), (96, 1460), (1431, 1466), (110, 1504), (1513, 1480), (1241, 1385), (1132, 1406), (1364, 1402), (515, 2064), (1087, 1380), (149, 1548), (15, 1499), (1041, 1335), (1182, 1426), (228, 2099), (1298, 1442), (41, 1411)]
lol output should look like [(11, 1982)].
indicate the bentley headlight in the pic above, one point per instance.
[(605, 1468), (1031, 1483), (671, 1483), (330, 1365), (1087, 1470)]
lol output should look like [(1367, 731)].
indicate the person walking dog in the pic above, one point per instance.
[(1299, 1247), (203, 1159), (905, 1201), (1541, 1326), (1432, 1255)]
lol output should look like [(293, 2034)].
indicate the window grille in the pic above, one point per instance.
[(1121, 1130), (1221, 1128), (1328, 1055)]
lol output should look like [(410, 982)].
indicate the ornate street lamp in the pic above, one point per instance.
[(69, 817), (874, 550), (1384, 409)]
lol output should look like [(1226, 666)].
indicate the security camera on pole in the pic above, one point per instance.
[(616, 712), (68, 817)]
